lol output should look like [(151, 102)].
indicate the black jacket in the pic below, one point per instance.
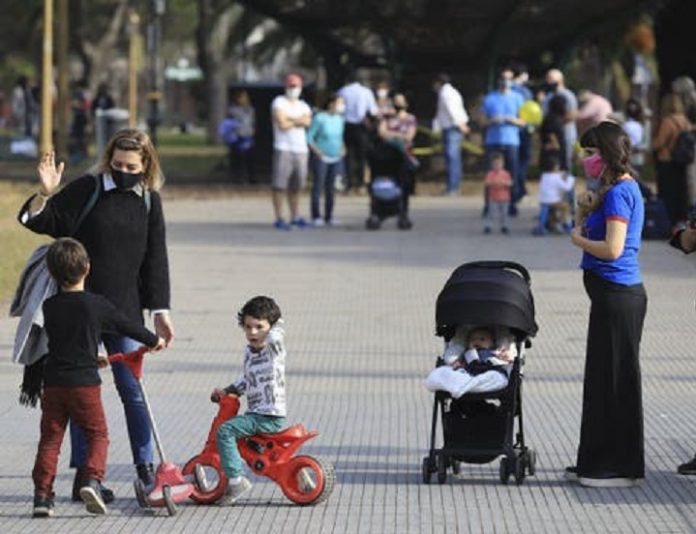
[(125, 242)]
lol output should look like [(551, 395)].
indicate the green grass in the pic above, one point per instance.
[(16, 242)]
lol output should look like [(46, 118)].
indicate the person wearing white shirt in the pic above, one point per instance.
[(452, 119), (555, 186), (291, 118), (360, 106)]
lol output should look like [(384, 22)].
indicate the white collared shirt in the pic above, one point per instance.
[(450, 108)]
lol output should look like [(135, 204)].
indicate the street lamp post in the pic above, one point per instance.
[(157, 9), (45, 140)]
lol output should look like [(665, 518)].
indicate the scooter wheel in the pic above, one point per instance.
[(139, 488), (213, 488), (168, 500), (308, 480)]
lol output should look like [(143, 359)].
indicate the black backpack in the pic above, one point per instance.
[(684, 148)]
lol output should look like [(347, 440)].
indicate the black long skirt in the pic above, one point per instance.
[(611, 434)]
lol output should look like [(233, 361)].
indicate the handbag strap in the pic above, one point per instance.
[(90, 202)]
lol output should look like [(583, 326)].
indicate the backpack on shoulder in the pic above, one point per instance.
[(684, 149)]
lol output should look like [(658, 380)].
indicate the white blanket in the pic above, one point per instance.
[(458, 382)]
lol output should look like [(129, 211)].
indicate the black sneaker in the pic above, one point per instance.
[(91, 496), (146, 473), (107, 494), (689, 468), (43, 506)]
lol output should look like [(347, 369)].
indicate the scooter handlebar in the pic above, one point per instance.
[(132, 360)]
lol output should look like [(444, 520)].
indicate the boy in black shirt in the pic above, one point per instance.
[(74, 321)]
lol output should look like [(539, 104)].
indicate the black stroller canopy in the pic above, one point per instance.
[(487, 293)]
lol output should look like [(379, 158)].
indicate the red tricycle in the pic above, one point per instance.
[(169, 486), (303, 479)]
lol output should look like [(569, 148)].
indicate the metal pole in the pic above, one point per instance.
[(133, 28), (45, 141), (157, 8), (63, 89), (155, 433)]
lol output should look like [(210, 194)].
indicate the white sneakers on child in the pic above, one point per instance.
[(234, 491)]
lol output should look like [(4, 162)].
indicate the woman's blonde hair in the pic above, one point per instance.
[(131, 139)]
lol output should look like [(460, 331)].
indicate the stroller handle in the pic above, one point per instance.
[(498, 264), (132, 360)]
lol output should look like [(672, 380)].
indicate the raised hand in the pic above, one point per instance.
[(49, 173)]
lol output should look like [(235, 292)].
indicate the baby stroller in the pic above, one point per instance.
[(480, 427), (390, 186)]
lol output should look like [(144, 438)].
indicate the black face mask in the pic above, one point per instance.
[(126, 180), (551, 87)]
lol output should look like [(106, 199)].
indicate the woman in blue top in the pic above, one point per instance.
[(325, 139), (610, 453)]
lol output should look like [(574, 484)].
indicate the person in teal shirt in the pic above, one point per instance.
[(325, 139)]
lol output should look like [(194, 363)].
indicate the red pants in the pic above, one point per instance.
[(83, 405)]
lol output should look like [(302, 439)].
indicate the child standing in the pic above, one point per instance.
[(498, 185), (263, 380), (74, 321), (554, 188)]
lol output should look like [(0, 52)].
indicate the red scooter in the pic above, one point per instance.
[(170, 486), (303, 479)]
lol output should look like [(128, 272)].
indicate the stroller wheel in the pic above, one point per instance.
[(504, 470), (441, 470), (373, 223), (520, 469), (531, 462), (425, 470), (456, 466), (404, 223)]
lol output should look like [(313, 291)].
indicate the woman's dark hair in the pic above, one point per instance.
[(67, 261), (330, 100), (614, 146), (634, 110), (260, 307)]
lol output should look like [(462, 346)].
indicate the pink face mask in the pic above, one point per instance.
[(594, 165)]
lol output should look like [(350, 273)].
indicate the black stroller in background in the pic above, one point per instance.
[(391, 185), (480, 427)]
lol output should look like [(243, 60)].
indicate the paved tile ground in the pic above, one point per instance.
[(359, 308)]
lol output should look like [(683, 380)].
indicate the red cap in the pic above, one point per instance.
[(293, 80)]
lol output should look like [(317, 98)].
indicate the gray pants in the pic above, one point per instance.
[(497, 210)]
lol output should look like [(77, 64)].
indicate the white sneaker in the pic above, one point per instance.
[(235, 491), (333, 222), (613, 482), (318, 222)]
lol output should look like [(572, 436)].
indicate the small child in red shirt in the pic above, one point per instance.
[(498, 185)]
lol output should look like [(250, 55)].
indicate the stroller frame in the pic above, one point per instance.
[(471, 284)]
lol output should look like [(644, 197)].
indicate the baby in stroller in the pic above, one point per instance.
[(474, 362)]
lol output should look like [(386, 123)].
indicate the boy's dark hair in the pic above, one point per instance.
[(551, 163), (497, 156), (260, 307), (67, 261)]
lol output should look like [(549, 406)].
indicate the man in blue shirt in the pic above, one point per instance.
[(501, 109)]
